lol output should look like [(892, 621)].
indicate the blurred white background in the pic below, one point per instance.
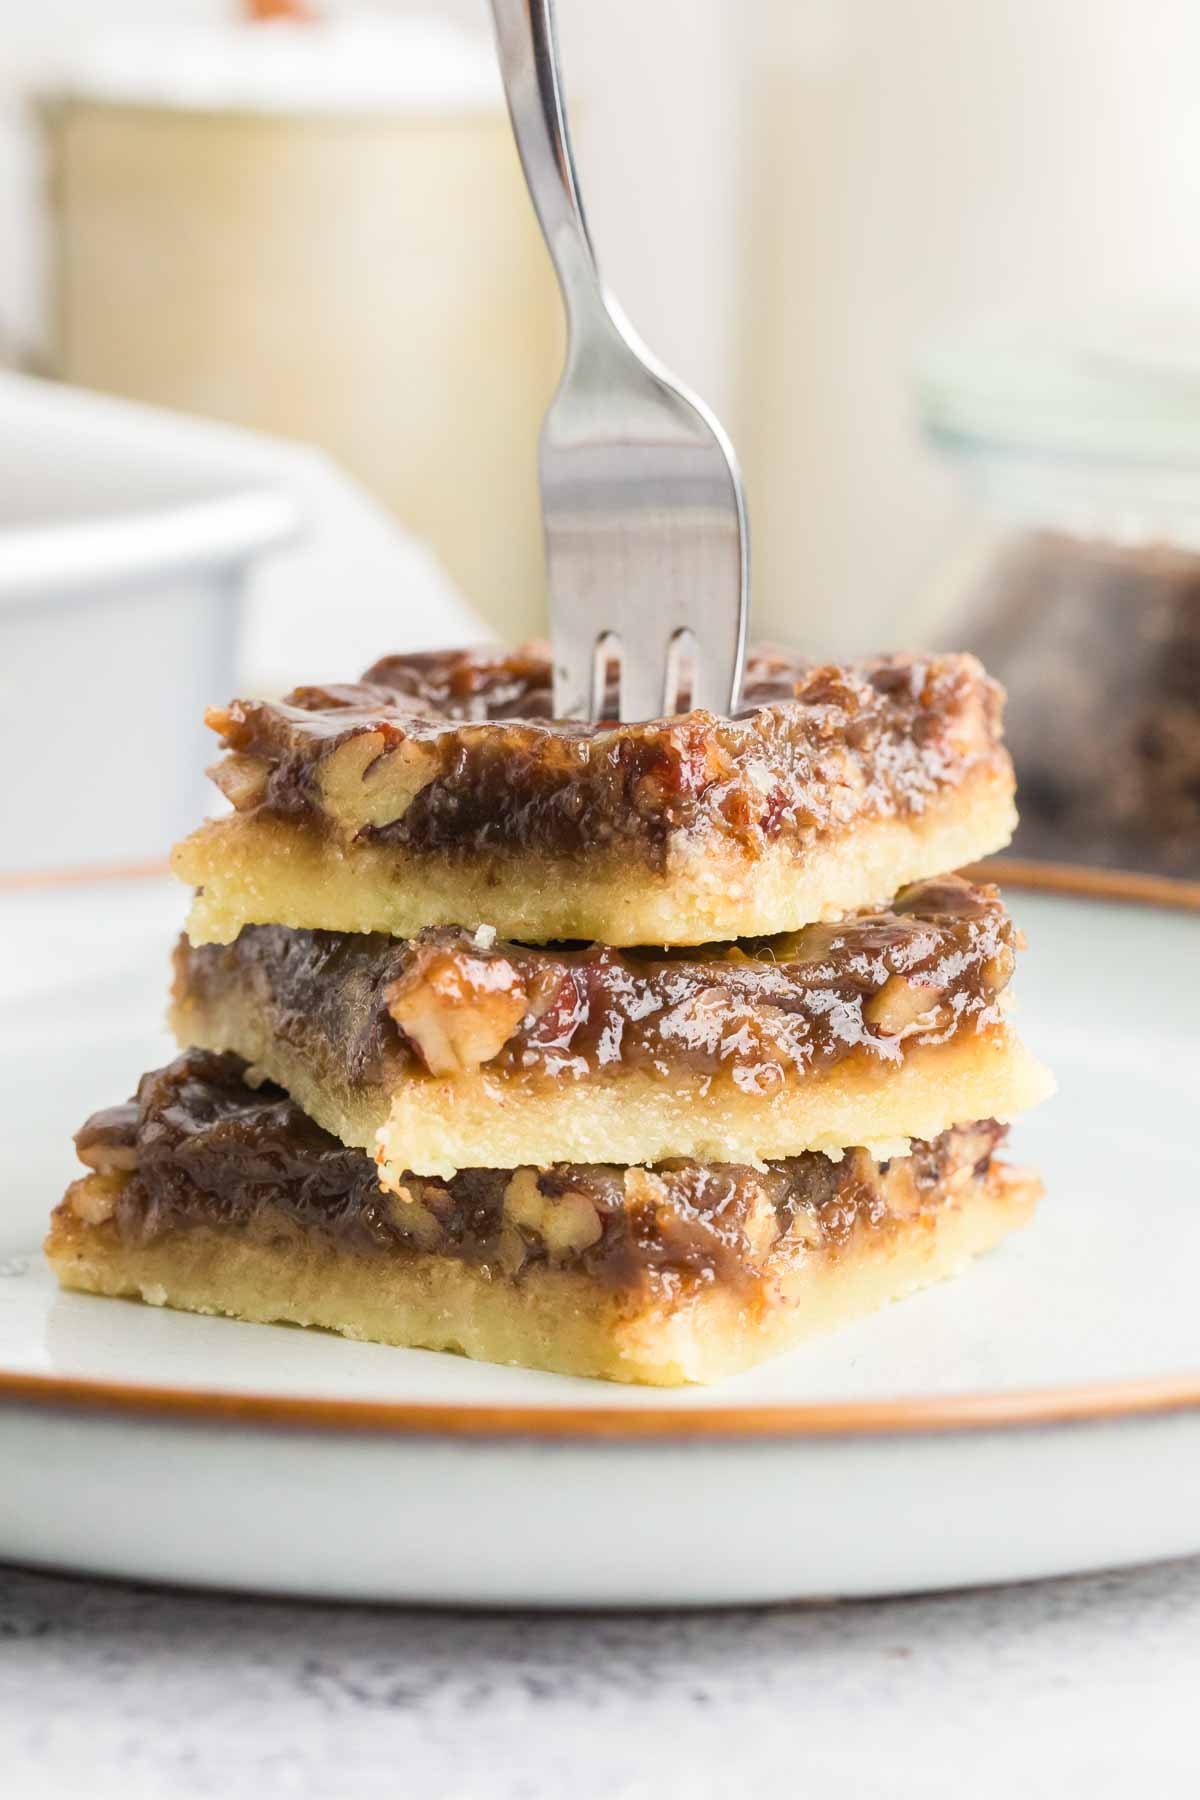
[(790, 197)]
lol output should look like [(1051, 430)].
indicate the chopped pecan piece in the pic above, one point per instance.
[(566, 1223), (108, 1141), (901, 1006), (458, 1010), (242, 779), (93, 1198)]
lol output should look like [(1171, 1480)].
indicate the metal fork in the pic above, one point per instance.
[(647, 546)]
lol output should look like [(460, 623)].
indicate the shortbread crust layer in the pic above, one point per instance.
[(210, 1196)]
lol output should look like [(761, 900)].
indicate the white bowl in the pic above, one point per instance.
[(125, 540)]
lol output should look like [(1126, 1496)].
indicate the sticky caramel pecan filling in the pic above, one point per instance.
[(199, 1147), (934, 962)]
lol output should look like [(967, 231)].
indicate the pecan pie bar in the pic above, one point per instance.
[(455, 1051), (438, 791), (216, 1197)]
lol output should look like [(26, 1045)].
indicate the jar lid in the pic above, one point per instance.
[(358, 63), (1116, 388)]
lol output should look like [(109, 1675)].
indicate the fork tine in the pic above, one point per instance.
[(717, 666), (644, 667), (681, 663), (574, 653)]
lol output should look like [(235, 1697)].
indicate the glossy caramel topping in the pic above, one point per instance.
[(377, 1010), (456, 751), (197, 1147)]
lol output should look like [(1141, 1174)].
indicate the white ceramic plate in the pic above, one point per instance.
[(1040, 1416)]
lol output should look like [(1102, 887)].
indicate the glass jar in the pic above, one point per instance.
[(1077, 577)]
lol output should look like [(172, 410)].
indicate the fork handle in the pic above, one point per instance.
[(528, 52)]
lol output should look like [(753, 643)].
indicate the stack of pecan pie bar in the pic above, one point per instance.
[(639, 1051)]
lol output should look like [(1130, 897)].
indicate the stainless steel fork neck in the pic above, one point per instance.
[(644, 514), (527, 43), (528, 50)]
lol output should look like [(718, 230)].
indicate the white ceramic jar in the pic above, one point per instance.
[(125, 541)]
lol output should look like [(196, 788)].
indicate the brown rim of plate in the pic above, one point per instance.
[(1081, 883), (902, 1416), (1072, 879)]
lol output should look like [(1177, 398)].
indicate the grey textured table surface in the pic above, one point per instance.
[(1084, 1687)]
